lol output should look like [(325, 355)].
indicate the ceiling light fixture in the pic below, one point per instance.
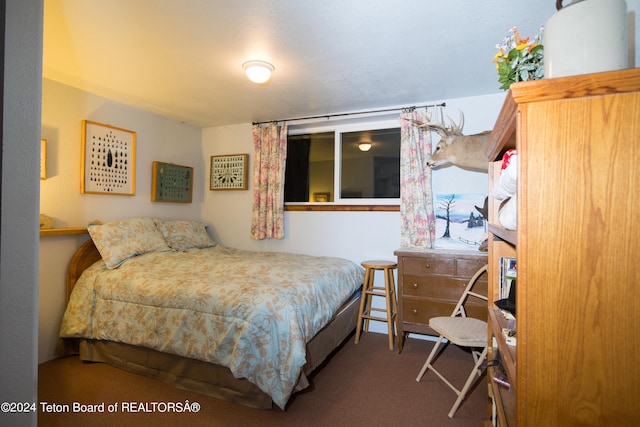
[(364, 146), (258, 71)]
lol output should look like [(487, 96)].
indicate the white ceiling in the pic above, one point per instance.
[(183, 58)]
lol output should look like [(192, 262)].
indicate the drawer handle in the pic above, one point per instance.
[(427, 266), (415, 286), (414, 311)]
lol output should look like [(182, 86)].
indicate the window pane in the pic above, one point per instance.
[(310, 168), (374, 173)]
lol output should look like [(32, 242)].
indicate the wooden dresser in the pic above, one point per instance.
[(430, 283)]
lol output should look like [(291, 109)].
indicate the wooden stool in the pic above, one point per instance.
[(388, 291)]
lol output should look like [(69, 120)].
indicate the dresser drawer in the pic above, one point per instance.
[(429, 266), (438, 287), (419, 311), (467, 267)]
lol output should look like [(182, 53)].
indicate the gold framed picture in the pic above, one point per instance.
[(43, 159), (108, 160), (229, 172), (322, 197), (171, 183)]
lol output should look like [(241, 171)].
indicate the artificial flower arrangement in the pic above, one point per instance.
[(519, 59)]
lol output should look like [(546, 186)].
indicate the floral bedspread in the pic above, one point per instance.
[(252, 312)]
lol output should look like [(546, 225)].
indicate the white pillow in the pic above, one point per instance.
[(181, 235), (118, 241)]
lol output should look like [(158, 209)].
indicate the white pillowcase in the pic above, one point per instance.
[(181, 235), (118, 241)]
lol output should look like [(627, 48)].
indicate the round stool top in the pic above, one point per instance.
[(379, 264)]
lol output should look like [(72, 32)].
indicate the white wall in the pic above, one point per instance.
[(157, 138), (357, 236)]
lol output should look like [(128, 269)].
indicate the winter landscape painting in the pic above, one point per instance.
[(459, 225)]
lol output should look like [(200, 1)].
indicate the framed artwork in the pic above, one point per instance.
[(322, 197), (460, 224), (108, 160), (171, 183), (229, 172), (43, 159)]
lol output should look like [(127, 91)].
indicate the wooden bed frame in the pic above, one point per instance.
[(196, 375), (84, 257)]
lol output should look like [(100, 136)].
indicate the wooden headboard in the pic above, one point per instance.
[(85, 256)]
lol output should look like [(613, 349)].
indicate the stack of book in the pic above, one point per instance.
[(507, 276), (508, 273)]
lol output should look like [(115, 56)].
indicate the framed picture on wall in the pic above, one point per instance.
[(460, 224), (43, 159), (171, 183), (229, 172), (108, 160)]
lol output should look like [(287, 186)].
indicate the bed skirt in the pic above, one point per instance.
[(209, 379)]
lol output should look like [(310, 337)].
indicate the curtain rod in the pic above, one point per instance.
[(328, 116)]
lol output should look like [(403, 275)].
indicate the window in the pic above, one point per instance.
[(349, 164), (310, 168)]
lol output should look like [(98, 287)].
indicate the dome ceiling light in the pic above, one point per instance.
[(258, 72)]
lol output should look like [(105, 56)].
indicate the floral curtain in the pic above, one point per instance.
[(270, 153), (417, 219)]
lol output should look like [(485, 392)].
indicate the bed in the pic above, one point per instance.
[(160, 298)]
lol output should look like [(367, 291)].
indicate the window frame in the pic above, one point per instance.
[(339, 203)]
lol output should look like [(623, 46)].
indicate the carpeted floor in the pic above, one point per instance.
[(361, 385)]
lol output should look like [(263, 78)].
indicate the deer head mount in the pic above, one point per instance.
[(465, 151)]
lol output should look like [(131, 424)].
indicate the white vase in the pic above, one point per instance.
[(586, 37)]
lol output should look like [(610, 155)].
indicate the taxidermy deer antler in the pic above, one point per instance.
[(465, 151)]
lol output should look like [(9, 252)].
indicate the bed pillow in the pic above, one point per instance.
[(118, 241), (181, 235)]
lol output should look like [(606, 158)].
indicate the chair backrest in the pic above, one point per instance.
[(468, 290)]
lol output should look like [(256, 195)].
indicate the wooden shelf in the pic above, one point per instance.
[(505, 401), (508, 357), (63, 231), (509, 236), (503, 136), (586, 85), (575, 138)]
